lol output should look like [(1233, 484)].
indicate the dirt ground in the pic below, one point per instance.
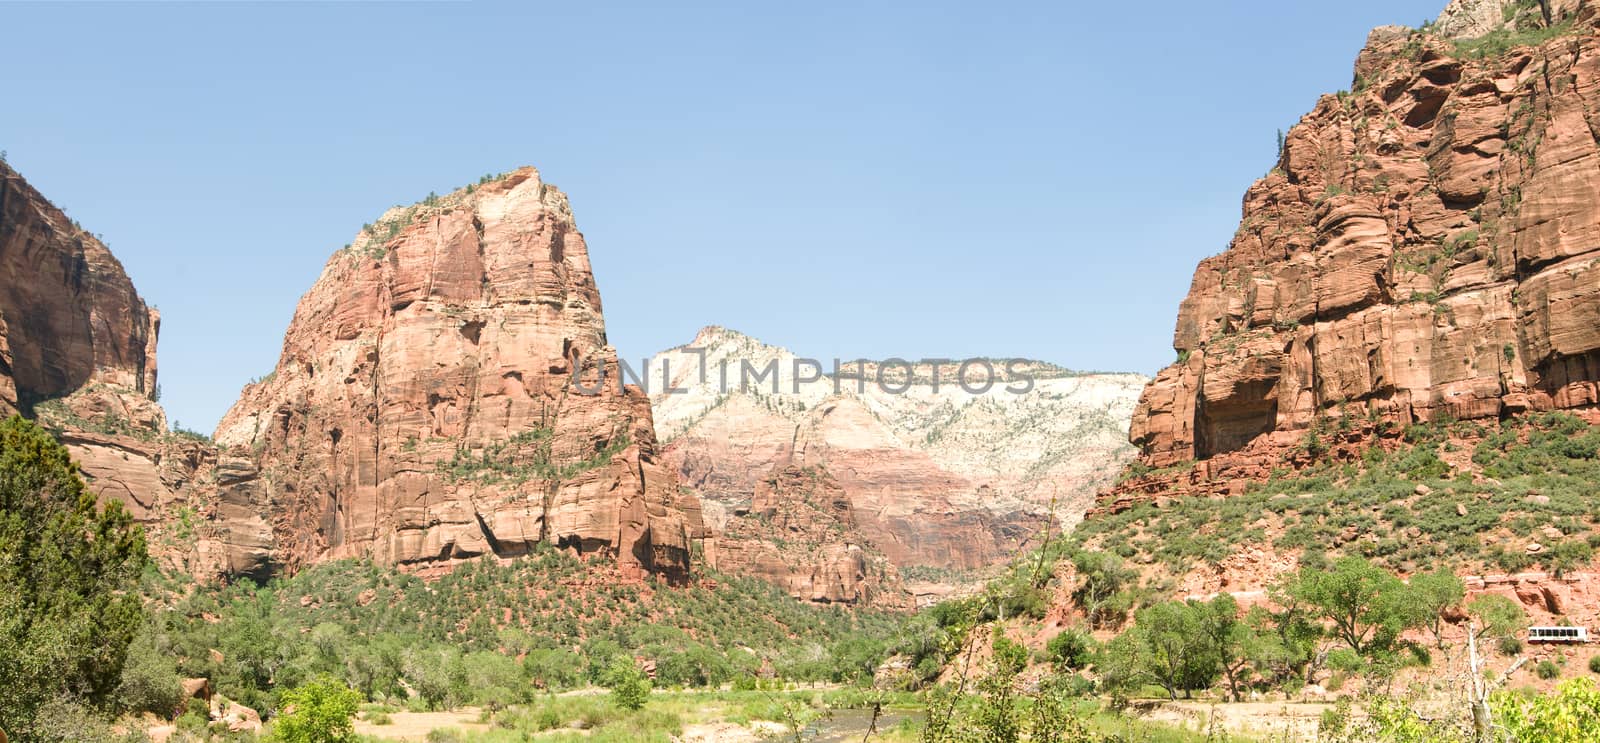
[(416, 725), (1275, 721)]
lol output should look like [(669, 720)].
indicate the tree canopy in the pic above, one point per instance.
[(68, 576)]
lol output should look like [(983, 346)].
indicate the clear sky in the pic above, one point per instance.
[(917, 180)]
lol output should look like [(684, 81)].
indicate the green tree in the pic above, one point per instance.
[(1232, 643), (1367, 605), (1497, 616), (1071, 650), (630, 689), (1170, 648), (555, 670), (1571, 715), (150, 681), (319, 711), (1434, 594), (69, 604)]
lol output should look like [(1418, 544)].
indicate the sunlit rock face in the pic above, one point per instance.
[(423, 410), (932, 476), (1426, 246)]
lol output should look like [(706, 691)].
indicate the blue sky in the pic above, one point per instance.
[(913, 180)]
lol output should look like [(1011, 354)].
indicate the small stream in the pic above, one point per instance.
[(850, 725)]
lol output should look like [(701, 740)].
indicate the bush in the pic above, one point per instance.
[(1594, 664), (1071, 650), (1346, 660), (1570, 715), (1547, 670), (1508, 645), (319, 711), (150, 681), (629, 687)]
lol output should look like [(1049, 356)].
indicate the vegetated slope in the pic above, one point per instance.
[(1417, 258), (1387, 379), (497, 632), (1360, 373), (937, 478)]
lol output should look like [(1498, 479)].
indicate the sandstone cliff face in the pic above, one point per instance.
[(800, 532), (69, 316), (78, 352), (942, 478), (1427, 246), (422, 410)]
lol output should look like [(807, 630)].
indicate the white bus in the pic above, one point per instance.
[(1558, 634)]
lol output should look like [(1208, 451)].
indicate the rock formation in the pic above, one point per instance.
[(69, 315), (78, 352), (931, 476), (1427, 245), (423, 409), (800, 532)]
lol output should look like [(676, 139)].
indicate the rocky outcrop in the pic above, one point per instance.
[(69, 315), (934, 475), (1426, 246), (78, 353), (423, 408), (800, 533)]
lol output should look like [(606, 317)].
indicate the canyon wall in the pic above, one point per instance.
[(423, 410), (69, 315), (1427, 245)]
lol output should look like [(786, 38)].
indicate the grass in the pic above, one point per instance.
[(593, 718)]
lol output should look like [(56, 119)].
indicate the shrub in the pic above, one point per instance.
[(1345, 659), (629, 687), (1072, 649), (1547, 670), (1509, 645), (150, 681), (319, 711), (1594, 664)]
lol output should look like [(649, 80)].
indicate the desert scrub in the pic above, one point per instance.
[(1527, 475)]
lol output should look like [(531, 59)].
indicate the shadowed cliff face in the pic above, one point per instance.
[(1427, 246), (422, 410), (78, 352), (69, 316)]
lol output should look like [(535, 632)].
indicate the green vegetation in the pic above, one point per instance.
[(524, 457), (1570, 715), (319, 711), (630, 689), (1528, 29), (492, 634), (1367, 606), (1526, 475), (68, 608)]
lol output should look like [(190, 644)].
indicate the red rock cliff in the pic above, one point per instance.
[(78, 352), (69, 315), (422, 412), (1428, 244)]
